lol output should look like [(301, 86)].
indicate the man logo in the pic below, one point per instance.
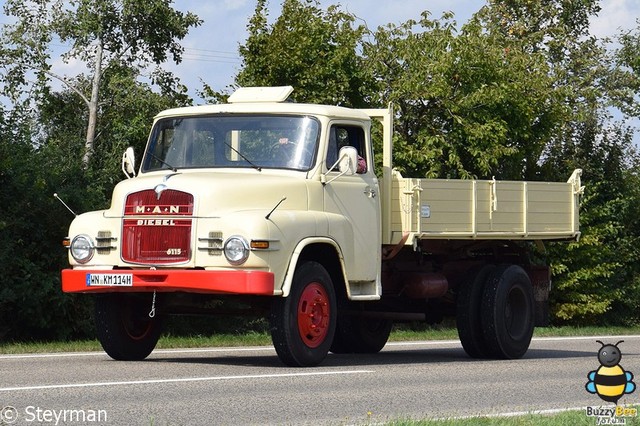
[(158, 209)]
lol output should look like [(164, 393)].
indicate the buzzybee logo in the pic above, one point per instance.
[(610, 381)]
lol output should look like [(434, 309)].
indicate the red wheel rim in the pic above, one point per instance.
[(313, 315), (136, 327), (137, 330)]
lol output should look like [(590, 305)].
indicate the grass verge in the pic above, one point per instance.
[(573, 418), (451, 333), (261, 339)]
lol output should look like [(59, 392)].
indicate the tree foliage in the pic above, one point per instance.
[(597, 278), (102, 35), (43, 138), (625, 76), (311, 49), (33, 223), (469, 103)]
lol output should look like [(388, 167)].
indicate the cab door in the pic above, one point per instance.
[(353, 205)]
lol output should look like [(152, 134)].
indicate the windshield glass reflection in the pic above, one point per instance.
[(251, 141)]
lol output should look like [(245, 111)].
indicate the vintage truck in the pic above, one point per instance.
[(274, 206)]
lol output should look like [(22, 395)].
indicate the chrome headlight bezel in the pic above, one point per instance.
[(236, 249), (82, 248)]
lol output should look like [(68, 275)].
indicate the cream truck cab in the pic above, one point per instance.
[(275, 206)]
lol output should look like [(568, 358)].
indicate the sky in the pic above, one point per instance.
[(211, 50)]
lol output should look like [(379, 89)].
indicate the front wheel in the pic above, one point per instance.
[(303, 324), (123, 326)]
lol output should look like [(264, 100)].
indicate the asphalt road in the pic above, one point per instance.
[(233, 386)]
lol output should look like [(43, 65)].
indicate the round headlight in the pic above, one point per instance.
[(236, 250), (82, 248)]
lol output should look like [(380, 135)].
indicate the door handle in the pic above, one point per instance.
[(371, 193)]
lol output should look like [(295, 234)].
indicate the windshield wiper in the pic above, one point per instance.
[(173, 169), (255, 166)]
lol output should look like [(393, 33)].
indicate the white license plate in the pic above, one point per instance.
[(110, 280)]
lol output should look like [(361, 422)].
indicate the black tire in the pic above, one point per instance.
[(123, 326), (360, 335), (507, 312), (303, 324), (468, 313)]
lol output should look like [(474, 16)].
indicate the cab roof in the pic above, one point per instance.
[(265, 100)]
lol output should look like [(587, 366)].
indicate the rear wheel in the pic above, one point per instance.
[(303, 324), (468, 315), (123, 326), (361, 335), (507, 312)]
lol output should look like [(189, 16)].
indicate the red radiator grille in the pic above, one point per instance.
[(161, 233)]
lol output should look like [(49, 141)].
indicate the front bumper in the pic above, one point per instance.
[(168, 280)]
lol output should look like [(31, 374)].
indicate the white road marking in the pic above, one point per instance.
[(181, 380)]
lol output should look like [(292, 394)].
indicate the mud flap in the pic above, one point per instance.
[(541, 281)]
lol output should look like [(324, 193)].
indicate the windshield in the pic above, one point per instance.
[(257, 141)]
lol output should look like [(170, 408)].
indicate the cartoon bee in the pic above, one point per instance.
[(610, 381)]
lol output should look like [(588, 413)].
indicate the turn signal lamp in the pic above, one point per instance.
[(259, 245)]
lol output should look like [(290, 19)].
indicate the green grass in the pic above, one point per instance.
[(165, 342), (585, 331), (447, 333), (573, 418), (11, 348), (261, 339)]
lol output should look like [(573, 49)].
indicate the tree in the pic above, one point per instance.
[(313, 50), (32, 224), (625, 78), (472, 104), (34, 165), (102, 35), (469, 103), (43, 129), (596, 279)]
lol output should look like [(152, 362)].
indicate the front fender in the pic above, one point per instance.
[(295, 258)]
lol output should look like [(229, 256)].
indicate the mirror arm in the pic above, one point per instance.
[(324, 182), (324, 176)]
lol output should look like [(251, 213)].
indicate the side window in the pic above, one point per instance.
[(344, 135)]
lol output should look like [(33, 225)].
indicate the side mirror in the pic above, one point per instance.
[(348, 163), (129, 163)]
